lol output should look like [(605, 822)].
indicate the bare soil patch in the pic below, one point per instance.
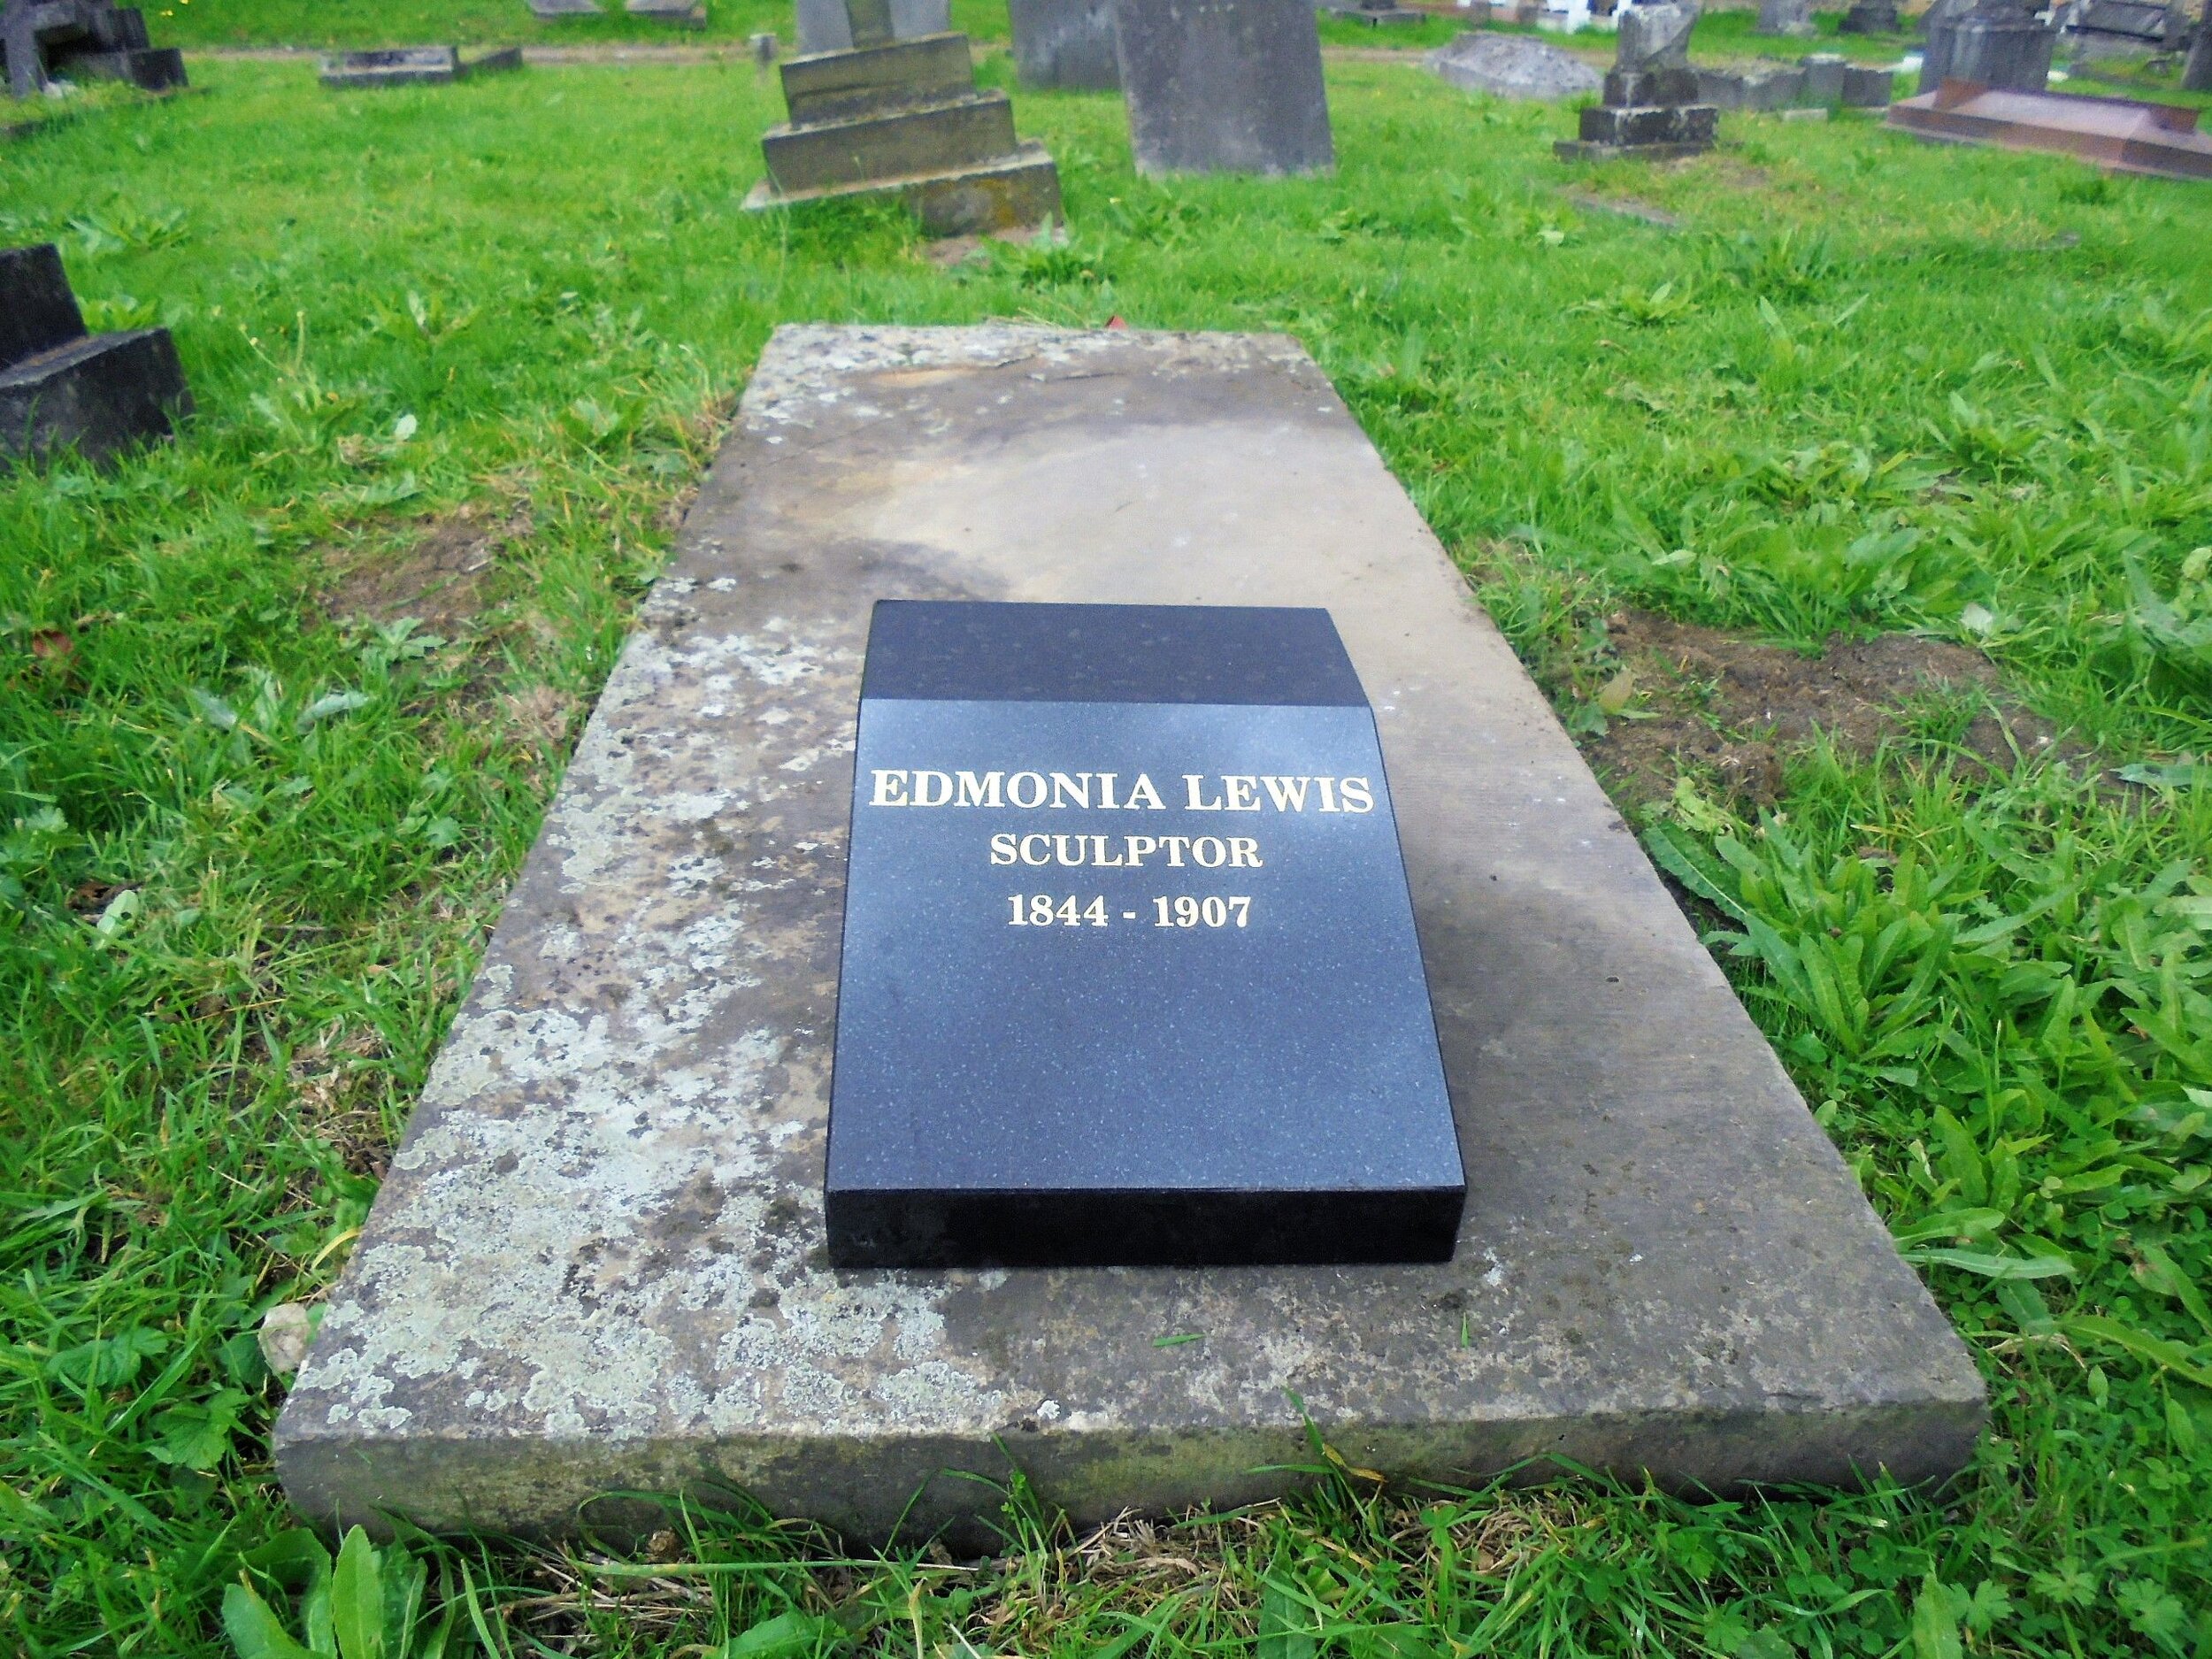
[(442, 581), (1700, 699)]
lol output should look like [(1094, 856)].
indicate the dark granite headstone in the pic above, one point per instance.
[(43, 40), (1871, 17), (413, 67), (1785, 17), (1129, 969), (1064, 43), (63, 388), (1997, 43), (824, 25), (1223, 86)]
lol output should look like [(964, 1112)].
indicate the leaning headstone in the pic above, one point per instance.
[(824, 27), (1223, 86), (552, 8), (63, 388), (1653, 106), (600, 1260), (905, 119), (1998, 43), (1785, 17), (1064, 43), (413, 67), (1513, 66), (44, 40), (1870, 17), (1195, 1031)]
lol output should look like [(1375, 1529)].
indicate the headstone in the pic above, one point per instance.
[(765, 48), (1998, 43), (686, 14), (44, 40), (1938, 12), (599, 1260), (905, 118), (1167, 1008), (1065, 43), (1374, 13), (1757, 88), (2106, 27), (413, 67), (1653, 106), (1823, 78), (63, 388), (1223, 86), (1868, 86), (1785, 17), (1513, 66), (2196, 70), (824, 25), (1870, 17), (550, 9)]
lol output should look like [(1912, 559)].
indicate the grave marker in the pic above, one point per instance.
[(43, 39), (1653, 106), (599, 1261), (1065, 43), (413, 67), (1785, 17), (1996, 43), (1223, 86), (824, 25), (905, 118), (1166, 1007), (61, 388)]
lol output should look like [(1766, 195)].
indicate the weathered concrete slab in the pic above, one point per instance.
[(597, 1261)]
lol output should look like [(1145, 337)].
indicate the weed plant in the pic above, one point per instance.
[(254, 828)]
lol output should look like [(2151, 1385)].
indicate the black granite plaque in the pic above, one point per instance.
[(1129, 970)]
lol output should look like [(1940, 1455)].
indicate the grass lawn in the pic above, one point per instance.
[(281, 704)]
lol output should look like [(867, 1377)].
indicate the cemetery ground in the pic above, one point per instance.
[(281, 704)]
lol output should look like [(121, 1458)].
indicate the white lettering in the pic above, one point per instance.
[(1192, 782), (1078, 786), (979, 791), (933, 789), (1002, 849), (1044, 857), (1288, 794), (1244, 852), (1034, 781), (1142, 793), (890, 789), (1357, 796), (1206, 845)]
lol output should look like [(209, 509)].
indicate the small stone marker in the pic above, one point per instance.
[(1223, 86), (684, 14), (1653, 106), (63, 388), (1513, 66), (1756, 88), (824, 27), (1785, 17), (45, 40), (599, 1261), (1066, 44), (413, 67), (1997, 43), (552, 9), (905, 118), (1167, 1008)]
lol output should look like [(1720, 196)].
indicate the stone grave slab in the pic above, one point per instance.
[(599, 1260), (686, 14), (552, 9), (413, 67), (1196, 1031), (1067, 43), (1513, 66), (1223, 86)]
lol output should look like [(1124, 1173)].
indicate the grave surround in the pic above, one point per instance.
[(598, 1261)]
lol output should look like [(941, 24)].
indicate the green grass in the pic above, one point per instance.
[(250, 844), (238, 23)]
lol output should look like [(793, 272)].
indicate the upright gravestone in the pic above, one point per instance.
[(1166, 1007), (1998, 43), (63, 388), (41, 40), (1223, 86), (1653, 106), (824, 27), (1064, 43), (1374, 13), (905, 118), (1785, 17), (2196, 71)]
